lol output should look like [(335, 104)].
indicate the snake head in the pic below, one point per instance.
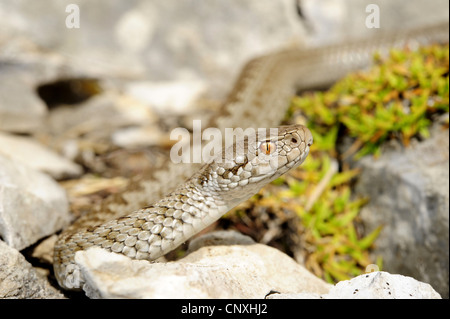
[(256, 159)]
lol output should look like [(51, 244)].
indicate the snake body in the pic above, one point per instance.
[(198, 195), (234, 176)]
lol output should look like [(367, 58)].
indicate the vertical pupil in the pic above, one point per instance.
[(267, 148)]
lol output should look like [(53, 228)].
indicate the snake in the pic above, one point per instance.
[(159, 212)]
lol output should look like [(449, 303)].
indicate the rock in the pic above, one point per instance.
[(32, 205), (225, 271), (156, 40), (140, 136), (29, 152), (328, 21), (21, 73), (168, 98), (219, 238), (21, 110), (109, 111), (409, 196), (382, 285), (374, 285), (19, 280)]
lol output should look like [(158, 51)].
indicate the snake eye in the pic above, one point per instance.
[(267, 147)]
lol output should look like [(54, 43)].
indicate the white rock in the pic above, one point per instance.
[(139, 136), (18, 279), (232, 271), (32, 205), (37, 156), (173, 98), (382, 285)]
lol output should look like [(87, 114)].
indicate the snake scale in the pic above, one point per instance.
[(158, 213)]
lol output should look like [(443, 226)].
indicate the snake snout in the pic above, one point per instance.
[(308, 137)]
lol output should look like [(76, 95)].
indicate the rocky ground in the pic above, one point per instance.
[(84, 110)]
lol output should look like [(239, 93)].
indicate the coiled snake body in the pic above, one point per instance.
[(258, 99)]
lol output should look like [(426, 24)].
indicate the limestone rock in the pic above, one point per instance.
[(409, 196), (382, 285), (21, 110), (168, 98), (374, 285), (32, 205), (328, 21), (230, 271), (29, 152), (19, 280)]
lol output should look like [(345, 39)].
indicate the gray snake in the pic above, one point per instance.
[(188, 198)]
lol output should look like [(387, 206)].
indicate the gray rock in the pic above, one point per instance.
[(231, 271), (382, 285), (37, 156), (32, 205), (21, 110), (21, 73), (19, 280), (109, 111), (219, 238), (170, 97), (328, 21), (409, 196), (374, 285)]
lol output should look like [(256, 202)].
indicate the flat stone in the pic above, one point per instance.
[(30, 152), (21, 109), (374, 285), (170, 97), (19, 280), (230, 271), (382, 285), (32, 204)]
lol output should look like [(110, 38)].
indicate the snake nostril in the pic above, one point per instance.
[(294, 140)]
